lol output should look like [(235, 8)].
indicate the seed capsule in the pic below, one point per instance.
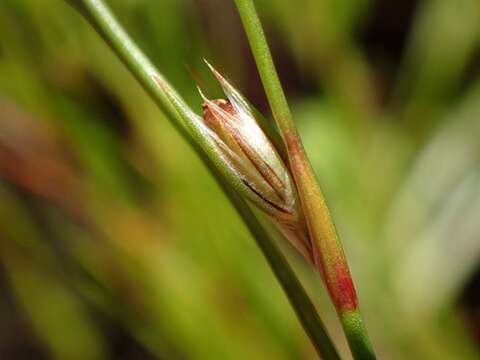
[(249, 152), (229, 134), (251, 155), (258, 164)]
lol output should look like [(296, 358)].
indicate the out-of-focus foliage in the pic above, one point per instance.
[(116, 243)]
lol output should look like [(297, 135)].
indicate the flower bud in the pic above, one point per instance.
[(230, 136), (253, 157), (250, 153)]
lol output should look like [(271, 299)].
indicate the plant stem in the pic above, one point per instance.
[(297, 296), (328, 252), (104, 22)]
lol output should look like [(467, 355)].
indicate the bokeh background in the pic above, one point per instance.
[(115, 242)]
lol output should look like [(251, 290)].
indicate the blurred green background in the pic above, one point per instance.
[(115, 242)]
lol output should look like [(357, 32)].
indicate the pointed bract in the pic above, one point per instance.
[(255, 160)]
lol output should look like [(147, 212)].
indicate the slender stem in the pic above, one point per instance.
[(328, 252), (297, 296), (113, 34)]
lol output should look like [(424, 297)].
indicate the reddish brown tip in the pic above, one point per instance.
[(209, 117)]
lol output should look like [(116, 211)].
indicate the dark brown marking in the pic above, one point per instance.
[(265, 199)]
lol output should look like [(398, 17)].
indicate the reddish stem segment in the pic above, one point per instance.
[(328, 252)]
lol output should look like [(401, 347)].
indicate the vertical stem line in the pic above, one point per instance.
[(328, 251), (265, 65)]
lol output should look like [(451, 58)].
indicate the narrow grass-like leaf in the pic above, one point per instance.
[(104, 22), (328, 252)]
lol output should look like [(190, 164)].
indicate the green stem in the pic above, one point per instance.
[(297, 296), (104, 22), (328, 251)]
